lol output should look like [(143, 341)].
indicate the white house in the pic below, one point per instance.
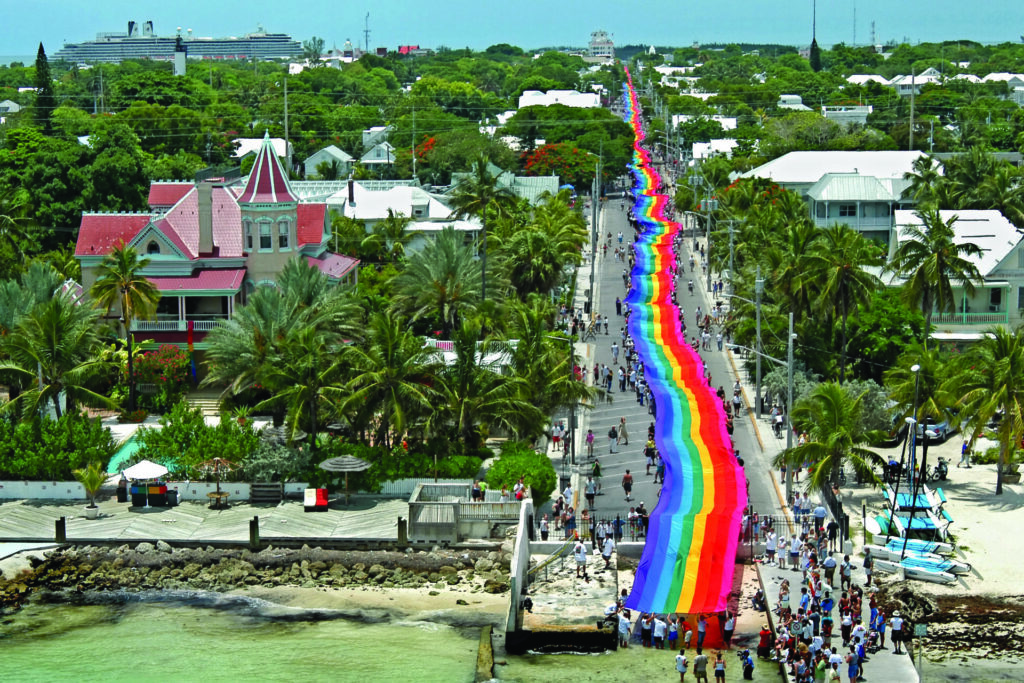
[(792, 102), (999, 299), (864, 79), (848, 114), (727, 122), (329, 154), (569, 98), (381, 154), (9, 107), (905, 85), (703, 150), (374, 135), (862, 189)]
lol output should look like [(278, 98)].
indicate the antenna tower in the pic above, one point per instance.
[(366, 32)]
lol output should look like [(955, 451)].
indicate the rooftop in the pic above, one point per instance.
[(987, 228), (809, 167)]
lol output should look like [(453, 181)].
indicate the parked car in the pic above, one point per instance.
[(939, 430)]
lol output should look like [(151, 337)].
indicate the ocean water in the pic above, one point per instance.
[(204, 639)]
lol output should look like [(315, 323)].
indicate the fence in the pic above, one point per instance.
[(445, 513), (622, 529), (403, 488)]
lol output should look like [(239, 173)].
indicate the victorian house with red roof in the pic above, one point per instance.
[(211, 243)]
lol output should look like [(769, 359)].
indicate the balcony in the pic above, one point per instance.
[(978, 319), (201, 323)]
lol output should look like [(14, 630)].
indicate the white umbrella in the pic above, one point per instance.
[(145, 469)]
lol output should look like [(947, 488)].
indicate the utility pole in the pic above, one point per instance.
[(789, 406), (366, 31), (287, 156), (414, 143), (732, 258), (758, 287), (595, 214), (913, 87)]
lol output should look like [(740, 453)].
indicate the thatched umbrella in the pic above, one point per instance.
[(346, 464)]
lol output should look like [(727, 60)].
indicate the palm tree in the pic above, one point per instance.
[(786, 265), (925, 178), (120, 281), (393, 378), (1003, 189), (242, 350), (55, 348), (837, 263), (924, 387), (302, 376), (388, 238), (15, 218), (439, 281), (473, 197), (931, 261), (831, 416), (990, 380), (476, 396)]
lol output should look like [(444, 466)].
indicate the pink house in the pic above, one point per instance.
[(212, 243)]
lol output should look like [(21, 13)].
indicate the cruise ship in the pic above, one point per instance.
[(140, 42)]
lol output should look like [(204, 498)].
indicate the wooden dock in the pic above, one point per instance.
[(363, 518)]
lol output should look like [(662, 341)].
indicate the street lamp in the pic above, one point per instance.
[(916, 369)]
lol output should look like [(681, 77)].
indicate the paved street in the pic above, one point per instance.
[(608, 286)]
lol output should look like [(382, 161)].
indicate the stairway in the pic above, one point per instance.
[(207, 403), (266, 492)]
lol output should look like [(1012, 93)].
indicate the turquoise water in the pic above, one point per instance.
[(180, 642), (123, 455)]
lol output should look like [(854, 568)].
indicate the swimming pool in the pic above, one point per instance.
[(123, 455)]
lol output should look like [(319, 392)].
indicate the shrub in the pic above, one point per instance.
[(168, 369), (520, 460), (185, 440), (47, 449), (274, 462)]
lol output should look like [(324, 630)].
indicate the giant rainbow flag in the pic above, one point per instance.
[(688, 560)]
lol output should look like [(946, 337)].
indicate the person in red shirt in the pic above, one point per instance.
[(764, 648)]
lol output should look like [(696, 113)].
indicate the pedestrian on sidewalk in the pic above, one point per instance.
[(590, 490), (596, 474), (965, 456), (613, 436), (615, 352), (618, 306), (606, 324)]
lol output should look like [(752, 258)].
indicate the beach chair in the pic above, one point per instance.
[(315, 500)]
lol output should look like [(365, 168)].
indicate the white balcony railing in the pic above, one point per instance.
[(204, 325)]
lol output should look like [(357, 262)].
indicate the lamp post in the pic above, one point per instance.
[(789, 405), (916, 369)]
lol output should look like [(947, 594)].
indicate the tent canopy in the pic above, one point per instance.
[(145, 469)]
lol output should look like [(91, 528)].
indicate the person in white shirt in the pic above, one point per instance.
[(606, 552), (624, 628), (579, 551), (659, 632), (682, 666), (769, 547), (896, 626)]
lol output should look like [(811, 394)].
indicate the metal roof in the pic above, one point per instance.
[(839, 187), (988, 228)]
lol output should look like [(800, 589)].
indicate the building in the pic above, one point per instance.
[(704, 150), (569, 98), (601, 47), (374, 135), (9, 107), (727, 122), (211, 243), (905, 85), (141, 42), (329, 154), (999, 299), (848, 115), (246, 146), (530, 188), (862, 189), (380, 155), (792, 103)]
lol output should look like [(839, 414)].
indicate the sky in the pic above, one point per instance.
[(526, 23)]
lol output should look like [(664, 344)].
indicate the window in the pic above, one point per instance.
[(821, 211), (266, 243), (847, 210), (995, 298), (1020, 298), (1020, 258), (248, 235), (152, 248), (282, 235)]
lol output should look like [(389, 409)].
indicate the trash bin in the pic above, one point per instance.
[(172, 498), (122, 494)]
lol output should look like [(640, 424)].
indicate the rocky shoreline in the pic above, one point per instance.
[(149, 567), (962, 628)]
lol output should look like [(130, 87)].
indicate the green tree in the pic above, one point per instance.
[(989, 380), (120, 281), (312, 50), (46, 101), (838, 262), (473, 197), (932, 263), (439, 282), (518, 460), (393, 380), (56, 344), (831, 416)]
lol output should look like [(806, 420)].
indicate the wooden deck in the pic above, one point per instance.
[(23, 520)]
